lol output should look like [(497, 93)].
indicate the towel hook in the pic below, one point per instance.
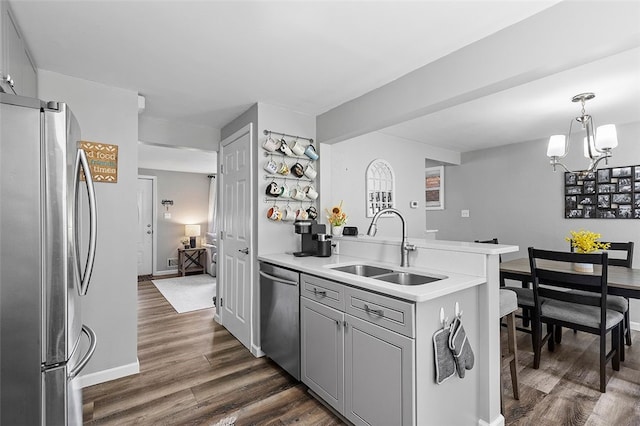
[(443, 319), (458, 311)]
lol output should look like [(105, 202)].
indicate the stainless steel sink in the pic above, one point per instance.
[(407, 278), (363, 270)]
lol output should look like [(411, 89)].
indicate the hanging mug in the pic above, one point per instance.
[(273, 189), (311, 152), (270, 144), (297, 170), (297, 194), (284, 191), (283, 169), (284, 148), (301, 214), (297, 148), (274, 213), (270, 166), (288, 214), (310, 172), (312, 212), (310, 192)]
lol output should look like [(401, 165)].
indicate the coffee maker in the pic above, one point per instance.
[(315, 241)]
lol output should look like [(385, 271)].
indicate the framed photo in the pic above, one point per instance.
[(637, 174), (607, 214), (571, 202), (607, 187), (636, 200), (588, 176), (636, 187), (621, 198), (624, 185), (589, 212), (604, 201), (589, 187), (570, 178), (434, 188), (636, 213), (587, 199), (604, 175), (572, 190), (625, 212), (574, 213), (621, 172)]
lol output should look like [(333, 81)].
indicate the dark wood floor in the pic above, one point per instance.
[(192, 371)]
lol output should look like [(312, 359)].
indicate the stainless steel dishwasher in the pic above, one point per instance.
[(280, 316)]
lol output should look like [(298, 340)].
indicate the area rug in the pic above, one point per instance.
[(189, 293)]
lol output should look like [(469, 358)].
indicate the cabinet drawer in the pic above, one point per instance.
[(323, 291), (392, 314)]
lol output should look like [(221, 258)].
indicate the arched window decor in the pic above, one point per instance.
[(381, 189)]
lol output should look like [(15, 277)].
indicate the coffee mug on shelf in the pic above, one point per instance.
[(297, 194), (283, 169), (310, 172), (271, 144), (284, 147), (301, 214), (298, 170), (274, 213), (312, 212), (288, 214), (310, 192), (270, 166), (311, 152), (284, 191), (297, 148), (273, 189)]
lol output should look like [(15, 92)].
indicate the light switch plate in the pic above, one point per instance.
[(464, 213), (167, 215)]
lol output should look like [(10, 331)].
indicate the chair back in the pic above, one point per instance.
[(626, 248), (555, 268)]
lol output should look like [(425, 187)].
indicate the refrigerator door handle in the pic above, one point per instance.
[(85, 359), (81, 160)]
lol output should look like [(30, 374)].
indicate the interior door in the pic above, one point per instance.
[(236, 259), (145, 226)]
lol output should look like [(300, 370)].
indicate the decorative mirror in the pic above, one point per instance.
[(381, 188)]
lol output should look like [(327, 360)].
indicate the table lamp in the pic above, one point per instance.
[(192, 231)]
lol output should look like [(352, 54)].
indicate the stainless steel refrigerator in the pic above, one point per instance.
[(43, 275)]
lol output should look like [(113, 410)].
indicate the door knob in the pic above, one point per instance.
[(148, 232), (244, 250)]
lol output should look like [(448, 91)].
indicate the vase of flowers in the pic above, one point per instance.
[(585, 242), (336, 218)]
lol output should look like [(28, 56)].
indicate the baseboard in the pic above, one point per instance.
[(634, 325), (168, 272), (110, 374), (498, 421), (256, 351)]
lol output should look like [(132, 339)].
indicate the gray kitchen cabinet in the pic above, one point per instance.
[(18, 74), (322, 351), (379, 375), (356, 365)]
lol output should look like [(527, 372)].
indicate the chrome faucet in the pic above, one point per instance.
[(405, 247)]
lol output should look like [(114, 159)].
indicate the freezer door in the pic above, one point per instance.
[(62, 322)]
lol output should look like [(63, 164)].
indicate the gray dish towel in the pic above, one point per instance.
[(445, 363), (460, 348)]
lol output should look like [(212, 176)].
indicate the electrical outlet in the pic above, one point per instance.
[(464, 213), (335, 247), (172, 262)]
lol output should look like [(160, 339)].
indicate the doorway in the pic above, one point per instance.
[(146, 225)]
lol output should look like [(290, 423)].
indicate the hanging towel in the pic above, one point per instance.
[(445, 364), (460, 348)]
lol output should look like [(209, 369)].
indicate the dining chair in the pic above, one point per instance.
[(525, 295), (620, 303), (508, 307), (573, 310)]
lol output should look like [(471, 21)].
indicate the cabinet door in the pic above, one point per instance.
[(379, 375), (322, 351)]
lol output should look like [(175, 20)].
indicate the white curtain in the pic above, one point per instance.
[(212, 216)]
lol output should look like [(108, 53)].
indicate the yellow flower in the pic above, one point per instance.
[(586, 241), (336, 217)]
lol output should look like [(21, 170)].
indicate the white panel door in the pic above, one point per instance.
[(236, 251), (145, 226)]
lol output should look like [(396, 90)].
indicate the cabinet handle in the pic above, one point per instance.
[(373, 311), (319, 292)]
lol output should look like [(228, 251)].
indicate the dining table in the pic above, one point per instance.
[(621, 281)]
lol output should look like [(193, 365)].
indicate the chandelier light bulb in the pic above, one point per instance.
[(556, 146), (606, 137)]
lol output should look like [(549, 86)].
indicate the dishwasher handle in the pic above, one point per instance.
[(278, 279)]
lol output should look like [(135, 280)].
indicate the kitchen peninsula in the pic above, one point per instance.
[(367, 344)]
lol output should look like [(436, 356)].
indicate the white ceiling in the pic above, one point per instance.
[(205, 62)]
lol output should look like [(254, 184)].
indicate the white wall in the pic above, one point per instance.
[(190, 195), (349, 162), (110, 115)]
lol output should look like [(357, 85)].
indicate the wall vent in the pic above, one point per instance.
[(172, 262)]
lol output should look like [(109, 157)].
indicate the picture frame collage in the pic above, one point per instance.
[(608, 193)]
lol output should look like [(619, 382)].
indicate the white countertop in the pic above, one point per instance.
[(321, 266)]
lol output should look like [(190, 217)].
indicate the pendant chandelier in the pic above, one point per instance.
[(597, 145)]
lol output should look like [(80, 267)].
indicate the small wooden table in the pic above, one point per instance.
[(621, 281), (191, 260)]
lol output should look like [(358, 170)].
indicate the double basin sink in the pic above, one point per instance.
[(388, 275)]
